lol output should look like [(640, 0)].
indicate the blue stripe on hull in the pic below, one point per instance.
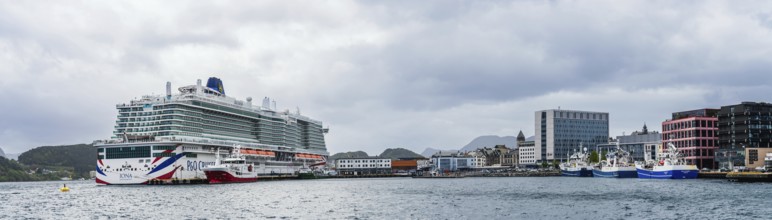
[(580, 173), (617, 174), (669, 174)]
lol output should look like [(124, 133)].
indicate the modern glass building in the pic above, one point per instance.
[(560, 132), (743, 127)]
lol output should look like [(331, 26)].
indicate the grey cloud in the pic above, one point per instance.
[(396, 73)]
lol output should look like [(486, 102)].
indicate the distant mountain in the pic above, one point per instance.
[(80, 157), (12, 156), (352, 154), (428, 152), (8, 156), (400, 153), (490, 141)]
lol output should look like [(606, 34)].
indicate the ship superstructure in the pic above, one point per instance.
[(176, 136)]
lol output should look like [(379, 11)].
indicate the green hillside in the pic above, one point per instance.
[(10, 170), (352, 154), (400, 153), (79, 158)]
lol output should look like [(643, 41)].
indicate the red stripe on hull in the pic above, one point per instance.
[(158, 158), (100, 181), (168, 175), (225, 177)]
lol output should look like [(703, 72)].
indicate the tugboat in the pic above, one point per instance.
[(577, 165), (618, 164), (669, 165), (233, 169)]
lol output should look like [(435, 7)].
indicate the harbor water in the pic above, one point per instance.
[(396, 198)]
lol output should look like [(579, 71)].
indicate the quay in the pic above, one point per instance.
[(712, 175), (176, 181), (749, 177), (363, 176), (439, 177), (515, 174)]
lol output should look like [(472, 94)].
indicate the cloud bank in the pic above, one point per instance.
[(382, 74)]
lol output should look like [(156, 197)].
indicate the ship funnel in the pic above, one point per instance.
[(168, 90), (215, 84), (266, 103)]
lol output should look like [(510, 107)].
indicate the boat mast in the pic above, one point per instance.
[(217, 157)]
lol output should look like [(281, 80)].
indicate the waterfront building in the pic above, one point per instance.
[(768, 161), (559, 132), (479, 159), (635, 143), (363, 166), (510, 158), (408, 165), (451, 161), (743, 129), (695, 135), (526, 151)]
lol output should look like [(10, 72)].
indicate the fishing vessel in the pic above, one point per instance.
[(233, 169), (669, 164), (176, 136), (577, 165), (618, 164)]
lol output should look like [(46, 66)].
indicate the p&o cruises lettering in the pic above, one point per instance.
[(198, 165)]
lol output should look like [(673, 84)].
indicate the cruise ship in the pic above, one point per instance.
[(175, 136)]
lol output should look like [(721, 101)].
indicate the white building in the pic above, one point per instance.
[(526, 151), (448, 161), (479, 159), (527, 154), (360, 166)]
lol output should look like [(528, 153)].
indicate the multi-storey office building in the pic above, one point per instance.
[(695, 135), (560, 132), (743, 129), (635, 143)]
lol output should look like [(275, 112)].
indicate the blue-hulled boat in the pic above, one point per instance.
[(618, 164), (669, 165), (577, 165)]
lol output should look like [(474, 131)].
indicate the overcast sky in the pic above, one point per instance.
[(381, 74)]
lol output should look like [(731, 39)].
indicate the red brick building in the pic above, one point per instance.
[(695, 134)]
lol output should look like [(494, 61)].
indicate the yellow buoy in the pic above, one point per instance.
[(64, 189)]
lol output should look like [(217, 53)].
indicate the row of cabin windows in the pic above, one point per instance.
[(363, 161), (365, 165), (128, 152)]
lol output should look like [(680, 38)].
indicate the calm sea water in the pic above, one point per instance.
[(396, 198)]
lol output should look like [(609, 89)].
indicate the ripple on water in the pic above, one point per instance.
[(396, 198)]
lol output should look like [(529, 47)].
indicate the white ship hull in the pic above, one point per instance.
[(180, 167)]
